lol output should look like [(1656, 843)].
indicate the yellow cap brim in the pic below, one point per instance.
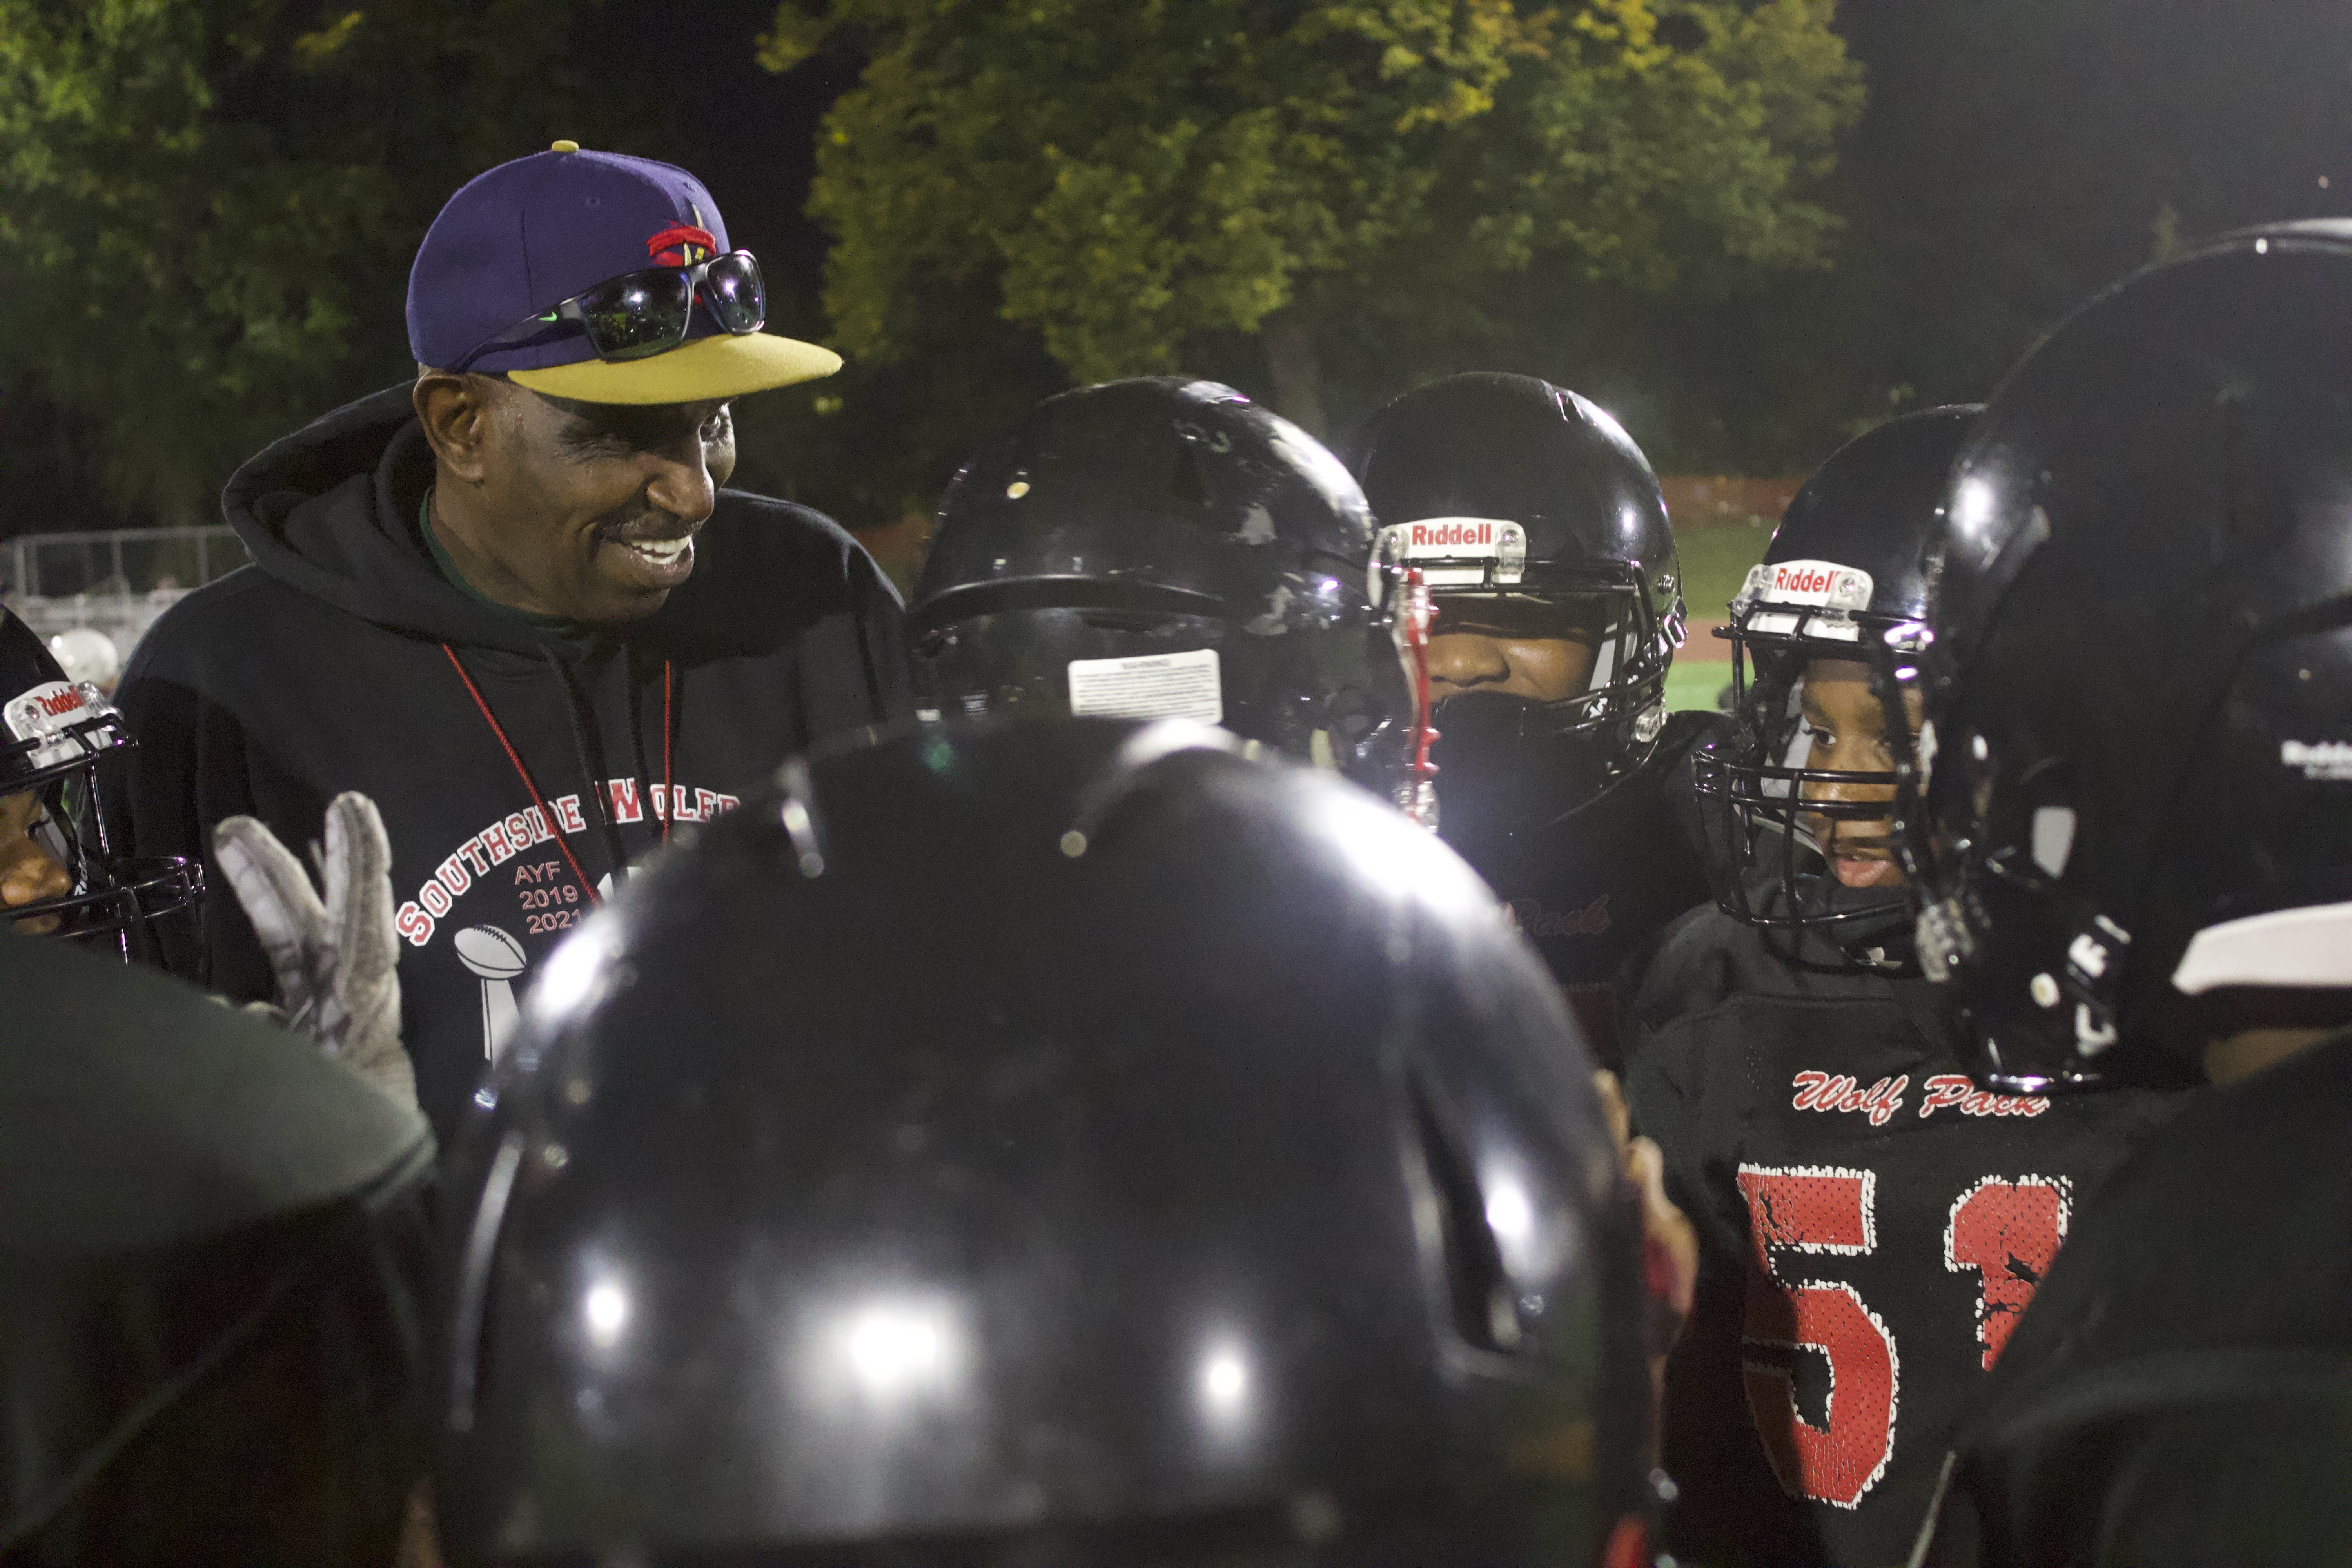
[(696, 372)]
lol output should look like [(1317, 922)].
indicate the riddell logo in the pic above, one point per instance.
[(1439, 536), (2324, 761), (681, 245), (1802, 578), (58, 704)]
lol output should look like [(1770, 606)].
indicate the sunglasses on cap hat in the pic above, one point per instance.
[(640, 314)]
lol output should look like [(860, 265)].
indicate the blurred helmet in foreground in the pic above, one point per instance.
[(2137, 763), (1060, 1142)]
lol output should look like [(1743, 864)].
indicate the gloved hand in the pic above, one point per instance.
[(336, 962)]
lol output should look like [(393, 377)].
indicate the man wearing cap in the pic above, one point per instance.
[(510, 601)]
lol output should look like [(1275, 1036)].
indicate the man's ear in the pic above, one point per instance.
[(456, 412)]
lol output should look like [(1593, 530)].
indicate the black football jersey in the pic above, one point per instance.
[(1871, 1226), (2181, 1392), (1593, 888)]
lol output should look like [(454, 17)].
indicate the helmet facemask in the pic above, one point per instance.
[(1776, 817), (1512, 758), (54, 737)]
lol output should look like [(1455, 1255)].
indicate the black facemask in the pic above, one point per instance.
[(1495, 778)]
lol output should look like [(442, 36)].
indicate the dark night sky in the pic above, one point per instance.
[(2015, 157), (751, 133)]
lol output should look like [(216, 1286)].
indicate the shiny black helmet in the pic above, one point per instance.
[(1164, 547), (2139, 753), (1063, 1141), (1529, 508), (1846, 579), (54, 735)]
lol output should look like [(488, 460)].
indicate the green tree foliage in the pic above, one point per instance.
[(2016, 156), (207, 207), (1133, 179)]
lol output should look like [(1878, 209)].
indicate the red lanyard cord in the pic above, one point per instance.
[(669, 790), (554, 824), (1415, 614)]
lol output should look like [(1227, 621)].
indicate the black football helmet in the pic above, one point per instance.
[(1522, 503), (1208, 1176), (1847, 577), (1164, 547), (2137, 763), (54, 734)]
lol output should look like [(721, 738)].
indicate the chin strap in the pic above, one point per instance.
[(1415, 613)]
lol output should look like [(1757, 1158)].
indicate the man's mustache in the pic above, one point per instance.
[(645, 528)]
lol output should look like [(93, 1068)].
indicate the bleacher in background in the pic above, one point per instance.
[(115, 582)]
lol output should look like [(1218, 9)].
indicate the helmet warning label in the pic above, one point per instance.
[(1154, 686)]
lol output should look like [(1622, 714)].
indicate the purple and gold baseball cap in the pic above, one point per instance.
[(523, 238)]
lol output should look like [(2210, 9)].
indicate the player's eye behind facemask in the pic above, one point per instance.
[(54, 734), (1162, 548), (1798, 795), (1534, 518)]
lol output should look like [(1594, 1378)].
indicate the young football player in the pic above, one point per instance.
[(2138, 816), (1164, 547), (1870, 1221), (1543, 538), (58, 871)]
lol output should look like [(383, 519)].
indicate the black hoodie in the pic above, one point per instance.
[(345, 660)]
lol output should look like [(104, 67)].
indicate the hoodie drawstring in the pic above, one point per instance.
[(604, 806), (539, 797), (638, 729), (637, 725), (604, 813)]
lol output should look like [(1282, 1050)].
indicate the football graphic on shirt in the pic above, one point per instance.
[(491, 953), (498, 959)]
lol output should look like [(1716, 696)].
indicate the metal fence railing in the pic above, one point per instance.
[(117, 561), (115, 581)]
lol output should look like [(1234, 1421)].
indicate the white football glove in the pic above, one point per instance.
[(336, 962)]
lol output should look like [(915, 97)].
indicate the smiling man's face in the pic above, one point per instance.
[(584, 510)]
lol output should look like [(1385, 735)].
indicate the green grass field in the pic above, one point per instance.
[(1715, 562)]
